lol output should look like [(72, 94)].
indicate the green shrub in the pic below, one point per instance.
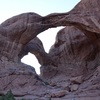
[(8, 96)]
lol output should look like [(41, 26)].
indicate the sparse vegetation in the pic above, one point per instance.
[(8, 96)]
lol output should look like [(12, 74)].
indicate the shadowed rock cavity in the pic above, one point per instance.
[(72, 66)]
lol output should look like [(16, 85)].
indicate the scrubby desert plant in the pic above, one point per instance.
[(8, 96)]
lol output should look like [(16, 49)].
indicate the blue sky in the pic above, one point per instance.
[(9, 8)]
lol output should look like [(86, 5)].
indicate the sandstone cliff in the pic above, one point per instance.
[(71, 69)]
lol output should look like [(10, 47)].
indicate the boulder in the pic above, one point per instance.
[(74, 87), (76, 80)]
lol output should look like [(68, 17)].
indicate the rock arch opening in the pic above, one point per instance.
[(46, 40), (30, 59), (48, 37)]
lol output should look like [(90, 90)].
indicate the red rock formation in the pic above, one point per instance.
[(70, 70), (76, 50)]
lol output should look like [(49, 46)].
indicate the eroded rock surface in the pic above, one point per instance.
[(15, 34), (71, 69), (76, 50)]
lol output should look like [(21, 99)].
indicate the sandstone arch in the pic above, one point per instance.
[(71, 47), (20, 29)]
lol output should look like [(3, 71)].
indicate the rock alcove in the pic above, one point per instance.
[(70, 70)]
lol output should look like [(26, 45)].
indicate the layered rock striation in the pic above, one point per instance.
[(71, 69)]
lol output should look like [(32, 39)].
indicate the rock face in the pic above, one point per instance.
[(74, 53), (71, 69), (76, 50), (15, 36)]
